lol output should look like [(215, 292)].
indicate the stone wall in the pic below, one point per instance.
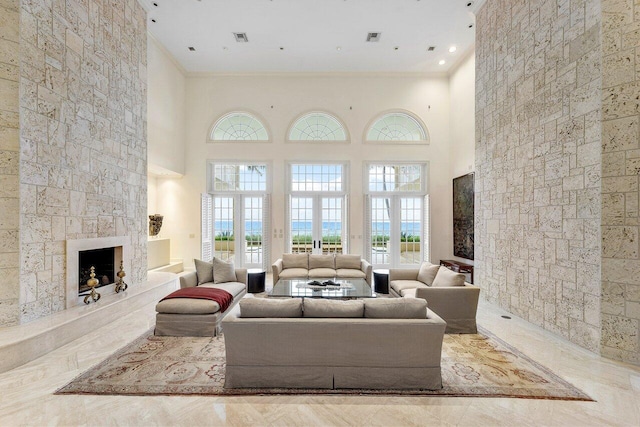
[(82, 138), (538, 178), (9, 153), (620, 169)]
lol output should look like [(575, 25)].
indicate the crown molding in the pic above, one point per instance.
[(318, 74), (164, 50)]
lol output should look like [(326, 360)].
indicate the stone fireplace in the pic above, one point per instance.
[(103, 253)]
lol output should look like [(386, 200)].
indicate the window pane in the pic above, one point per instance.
[(239, 127), (317, 126), (316, 177), (395, 178), (396, 127), (239, 177), (224, 237), (410, 230)]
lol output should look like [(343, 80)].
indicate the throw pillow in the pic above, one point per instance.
[(446, 277), (204, 271), (270, 307), (223, 271), (427, 273), (314, 307), (395, 308), (348, 261), (295, 261), (321, 261)]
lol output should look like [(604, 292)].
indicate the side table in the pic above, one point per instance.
[(458, 267), (255, 280), (381, 281)]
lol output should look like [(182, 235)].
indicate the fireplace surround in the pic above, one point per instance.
[(92, 250)]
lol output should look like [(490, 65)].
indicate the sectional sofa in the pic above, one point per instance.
[(446, 292), (385, 343), (341, 266)]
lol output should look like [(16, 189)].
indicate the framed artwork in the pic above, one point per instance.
[(463, 216)]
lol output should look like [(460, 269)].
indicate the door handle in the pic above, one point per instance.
[(314, 244)]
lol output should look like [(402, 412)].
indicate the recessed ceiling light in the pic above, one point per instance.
[(155, 4), (338, 48), (396, 48), (281, 48), (469, 3), (153, 20), (442, 62), (470, 25), (431, 48), (452, 49), (225, 48), (192, 49)]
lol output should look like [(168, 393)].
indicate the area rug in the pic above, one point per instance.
[(478, 365)]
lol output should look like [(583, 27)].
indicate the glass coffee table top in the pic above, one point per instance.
[(303, 288)]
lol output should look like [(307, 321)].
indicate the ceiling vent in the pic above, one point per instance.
[(241, 37), (374, 37), (431, 48)]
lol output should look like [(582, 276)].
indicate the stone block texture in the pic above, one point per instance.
[(620, 171), (9, 158), (538, 163), (80, 70)]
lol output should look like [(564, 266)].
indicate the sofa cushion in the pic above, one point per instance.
[(223, 271), (348, 261), (187, 306), (204, 271), (234, 288), (446, 277), (271, 307), (409, 293), (295, 261), (400, 285), (293, 273), (322, 272), (350, 273), (313, 307), (322, 261), (395, 308), (427, 273)]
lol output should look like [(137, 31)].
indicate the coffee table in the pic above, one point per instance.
[(299, 288)]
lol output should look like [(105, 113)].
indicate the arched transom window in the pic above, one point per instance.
[(238, 126), (317, 126), (397, 126)]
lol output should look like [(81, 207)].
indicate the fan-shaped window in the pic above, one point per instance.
[(317, 126), (397, 126), (238, 126)]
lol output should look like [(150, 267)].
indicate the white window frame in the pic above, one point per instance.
[(395, 196), (344, 193), (394, 111), (252, 114), (328, 141)]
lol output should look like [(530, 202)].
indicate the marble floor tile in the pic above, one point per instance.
[(27, 392)]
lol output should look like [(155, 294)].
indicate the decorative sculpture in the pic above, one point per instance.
[(120, 284), (155, 224), (92, 283)]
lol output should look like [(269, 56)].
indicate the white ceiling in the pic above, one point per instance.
[(310, 31)]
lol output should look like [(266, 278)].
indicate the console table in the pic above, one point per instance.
[(458, 267)]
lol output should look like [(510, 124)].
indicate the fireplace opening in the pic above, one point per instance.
[(105, 269)]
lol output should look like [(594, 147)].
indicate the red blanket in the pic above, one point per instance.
[(222, 297)]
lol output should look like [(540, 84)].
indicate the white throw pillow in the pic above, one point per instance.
[(427, 273), (223, 271), (204, 271), (446, 277)]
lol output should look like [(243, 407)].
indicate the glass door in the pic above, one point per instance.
[(317, 224)]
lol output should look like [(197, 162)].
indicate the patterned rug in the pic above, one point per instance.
[(478, 365)]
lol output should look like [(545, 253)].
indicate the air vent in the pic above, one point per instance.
[(374, 37), (431, 48), (241, 37)]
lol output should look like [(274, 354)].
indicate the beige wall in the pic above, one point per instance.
[(462, 121), (620, 169), (278, 100), (538, 143), (166, 104), (9, 156), (83, 158)]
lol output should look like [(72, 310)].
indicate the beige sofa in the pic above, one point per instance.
[(197, 317), (456, 303), (385, 343), (341, 266)]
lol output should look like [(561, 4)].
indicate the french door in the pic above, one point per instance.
[(396, 235), (317, 224)]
